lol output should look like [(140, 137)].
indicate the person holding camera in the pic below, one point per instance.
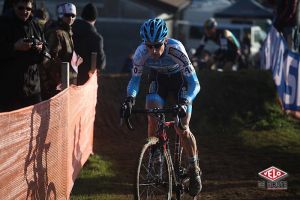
[(22, 51)]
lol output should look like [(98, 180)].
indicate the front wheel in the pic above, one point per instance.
[(154, 179)]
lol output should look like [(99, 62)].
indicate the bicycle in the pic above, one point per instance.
[(158, 175)]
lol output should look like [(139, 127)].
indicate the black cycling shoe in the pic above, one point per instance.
[(195, 181)]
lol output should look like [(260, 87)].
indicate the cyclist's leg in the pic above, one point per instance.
[(190, 146), (153, 101), (187, 137)]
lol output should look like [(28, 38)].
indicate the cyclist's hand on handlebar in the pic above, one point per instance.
[(182, 108), (126, 107)]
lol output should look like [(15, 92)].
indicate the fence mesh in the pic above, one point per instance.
[(44, 146)]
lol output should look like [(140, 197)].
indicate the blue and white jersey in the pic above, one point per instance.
[(173, 60)]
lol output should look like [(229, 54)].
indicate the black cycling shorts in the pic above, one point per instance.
[(167, 84)]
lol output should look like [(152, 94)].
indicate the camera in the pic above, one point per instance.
[(35, 42), (32, 40)]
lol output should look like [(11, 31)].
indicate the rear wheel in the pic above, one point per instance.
[(154, 179)]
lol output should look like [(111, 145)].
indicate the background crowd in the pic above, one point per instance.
[(42, 44), (33, 48)]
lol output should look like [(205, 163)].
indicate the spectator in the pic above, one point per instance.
[(42, 16), (88, 40), (219, 49), (22, 50), (8, 6), (61, 48), (287, 22)]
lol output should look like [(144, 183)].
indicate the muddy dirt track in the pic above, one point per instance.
[(230, 170)]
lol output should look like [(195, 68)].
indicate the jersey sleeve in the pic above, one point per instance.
[(231, 37), (139, 58), (179, 55)]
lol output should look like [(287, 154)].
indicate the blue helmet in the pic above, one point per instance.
[(154, 30)]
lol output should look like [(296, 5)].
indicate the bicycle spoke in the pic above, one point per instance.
[(154, 178)]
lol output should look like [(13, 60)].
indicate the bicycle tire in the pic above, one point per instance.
[(151, 182)]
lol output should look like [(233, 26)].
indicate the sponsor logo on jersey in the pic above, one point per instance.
[(179, 55)]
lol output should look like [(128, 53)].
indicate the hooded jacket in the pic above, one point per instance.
[(87, 40)]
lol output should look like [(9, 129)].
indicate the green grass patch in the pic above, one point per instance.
[(95, 178), (280, 140), (96, 166)]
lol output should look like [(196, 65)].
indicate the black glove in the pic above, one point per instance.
[(183, 104), (126, 107)]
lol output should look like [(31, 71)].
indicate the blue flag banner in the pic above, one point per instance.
[(284, 64)]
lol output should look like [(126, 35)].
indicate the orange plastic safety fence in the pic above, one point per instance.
[(44, 146)]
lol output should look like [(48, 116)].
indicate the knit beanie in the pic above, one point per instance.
[(89, 12)]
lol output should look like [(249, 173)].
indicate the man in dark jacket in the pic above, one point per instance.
[(88, 40), (21, 51)]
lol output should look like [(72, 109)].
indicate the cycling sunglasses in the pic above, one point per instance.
[(22, 8), (155, 46), (69, 15)]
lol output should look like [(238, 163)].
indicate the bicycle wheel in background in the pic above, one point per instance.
[(154, 179)]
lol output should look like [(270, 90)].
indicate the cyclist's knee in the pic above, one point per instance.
[(183, 133)]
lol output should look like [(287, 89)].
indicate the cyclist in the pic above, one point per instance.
[(218, 48), (171, 72)]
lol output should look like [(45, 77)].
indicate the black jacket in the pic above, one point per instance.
[(19, 74), (87, 40)]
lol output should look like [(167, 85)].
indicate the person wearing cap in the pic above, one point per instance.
[(88, 40), (218, 49), (61, 48)]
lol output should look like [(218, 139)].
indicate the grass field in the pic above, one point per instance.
[(240, 131)]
